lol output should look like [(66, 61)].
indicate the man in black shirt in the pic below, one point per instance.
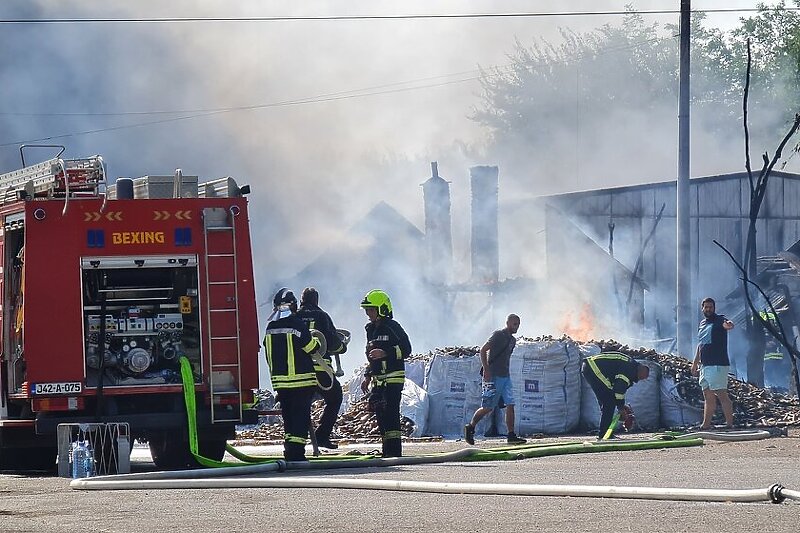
[(711, 358), (495, 358)]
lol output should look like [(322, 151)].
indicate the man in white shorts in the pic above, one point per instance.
[(711, 359)]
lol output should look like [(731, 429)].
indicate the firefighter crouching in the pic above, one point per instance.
[(610, 375), (387, 348), (329, 387), (288, 344)]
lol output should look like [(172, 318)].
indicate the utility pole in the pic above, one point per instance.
[(684, 271)]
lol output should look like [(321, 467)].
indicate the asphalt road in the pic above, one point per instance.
[(36, 503)]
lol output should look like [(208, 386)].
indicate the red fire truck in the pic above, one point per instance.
[(104, 289)]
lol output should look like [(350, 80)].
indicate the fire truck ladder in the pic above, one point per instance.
[(222, 295), (55, 178)]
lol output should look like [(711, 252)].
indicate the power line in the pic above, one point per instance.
[(352, 93), (420, 16), (342, 95)]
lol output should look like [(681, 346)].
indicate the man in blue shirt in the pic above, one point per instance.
[(712, 361)]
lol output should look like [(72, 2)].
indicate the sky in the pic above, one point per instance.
[(340, 114)]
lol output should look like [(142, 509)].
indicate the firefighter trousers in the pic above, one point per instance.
[(388, 415), (333, 401), (605, 398), (296, 413)]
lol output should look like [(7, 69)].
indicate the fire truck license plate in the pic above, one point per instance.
[(68, 387)]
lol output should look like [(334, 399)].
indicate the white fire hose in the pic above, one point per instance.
[(228, 478), (775, 493)]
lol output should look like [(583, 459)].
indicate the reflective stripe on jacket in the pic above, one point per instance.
[(616, 371), (288, 344), (386, 334)]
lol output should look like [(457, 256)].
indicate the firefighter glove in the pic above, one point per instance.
[(628, 418)]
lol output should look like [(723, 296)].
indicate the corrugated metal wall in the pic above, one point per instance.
[(719, 211)]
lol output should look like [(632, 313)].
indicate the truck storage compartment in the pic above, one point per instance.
[(146, 310)]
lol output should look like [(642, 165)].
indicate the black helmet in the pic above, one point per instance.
[(283, 297)]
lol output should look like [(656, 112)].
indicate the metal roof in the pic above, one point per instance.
[(672, 183)]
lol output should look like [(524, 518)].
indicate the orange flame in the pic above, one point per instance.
[(581, 329)]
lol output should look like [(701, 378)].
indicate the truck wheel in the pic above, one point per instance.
[(170, 452), (212, 448)]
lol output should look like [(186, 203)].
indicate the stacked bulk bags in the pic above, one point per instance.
[(453, 384), (547, 386)]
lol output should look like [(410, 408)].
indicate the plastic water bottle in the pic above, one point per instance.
[(89, 461), (80, 453)]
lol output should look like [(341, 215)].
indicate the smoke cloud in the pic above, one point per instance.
[(318, 169)]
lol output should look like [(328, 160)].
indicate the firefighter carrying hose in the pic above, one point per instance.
[(329, 387), (289, 346), (387, 348), (610, 375)]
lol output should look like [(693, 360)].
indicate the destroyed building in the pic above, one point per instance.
[(622, 219)]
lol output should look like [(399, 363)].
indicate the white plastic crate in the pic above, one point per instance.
[(110, 443)]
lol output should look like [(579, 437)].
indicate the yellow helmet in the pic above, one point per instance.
[(380, 300)]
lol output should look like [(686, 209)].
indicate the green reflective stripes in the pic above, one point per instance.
[(308, 379), (596, 370), (311, 324), (773, 355), (398, 352), (619, 396), (295, 439), (291, 379), (396, 376), (611, 428), (393, 434), (290, 356), (609, 356), (624, 378), (311, 346), (268, 348)]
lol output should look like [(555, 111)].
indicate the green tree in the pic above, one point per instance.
[(632, 68)]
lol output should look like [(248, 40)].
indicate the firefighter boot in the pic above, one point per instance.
[(392, 448), (392, 444), (294, 451)]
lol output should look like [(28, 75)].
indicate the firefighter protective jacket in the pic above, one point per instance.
[(316, 318), (389, 336), (288, 344), (616, 371)]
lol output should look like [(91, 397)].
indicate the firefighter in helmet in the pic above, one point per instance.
[(387, 348), (289, 345)]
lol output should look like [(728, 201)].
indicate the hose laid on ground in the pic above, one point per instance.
[(367, 461), (280, 465), (727, 435), (775, 493)]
